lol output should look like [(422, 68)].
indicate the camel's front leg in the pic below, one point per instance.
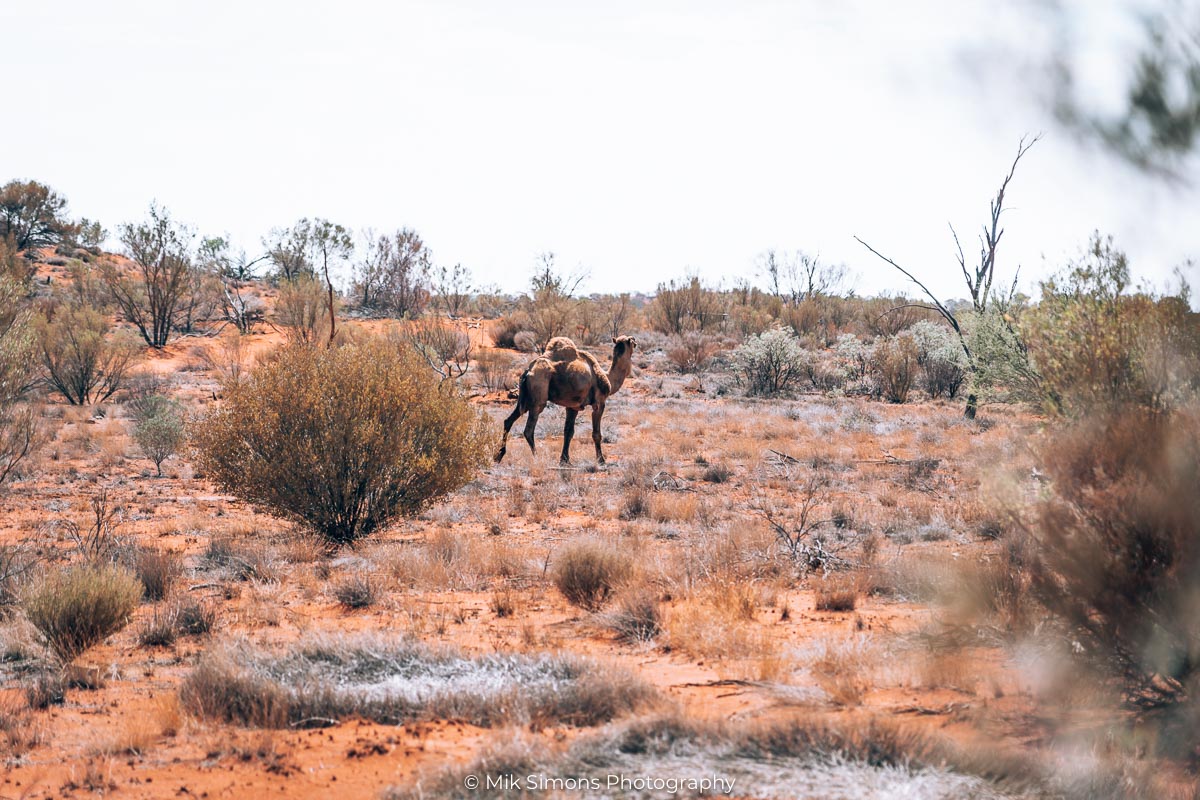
[(597, 413), (568, 432)]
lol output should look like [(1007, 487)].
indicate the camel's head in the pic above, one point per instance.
[(623, 345)]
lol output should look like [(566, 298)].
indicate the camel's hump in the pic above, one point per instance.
[(560, 348)]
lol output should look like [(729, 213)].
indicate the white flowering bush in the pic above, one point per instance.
[(772, 363), (941, 358)]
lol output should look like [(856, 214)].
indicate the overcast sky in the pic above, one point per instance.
[(637, 140)]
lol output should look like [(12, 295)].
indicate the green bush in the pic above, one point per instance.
[(1099, 346), (342, 440), (19, 426), (78, 607), (160, 432)]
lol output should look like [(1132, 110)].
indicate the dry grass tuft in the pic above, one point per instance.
[(837, 592), (321, 681), (356, 591), (157, 569), (588, 572), (842, 670), (638, 615), (78, 607)]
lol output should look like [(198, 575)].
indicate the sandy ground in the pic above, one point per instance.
[(704, 545)]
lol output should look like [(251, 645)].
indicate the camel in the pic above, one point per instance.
[(571, 378)]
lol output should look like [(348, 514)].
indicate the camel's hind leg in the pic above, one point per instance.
[(568, 432), (531, 425), (508, 423)]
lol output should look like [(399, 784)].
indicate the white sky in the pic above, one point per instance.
[(639, 140)]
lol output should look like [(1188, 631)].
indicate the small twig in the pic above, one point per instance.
[(328, 723), (786, 458)]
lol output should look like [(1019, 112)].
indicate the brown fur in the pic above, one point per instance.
[(571, 378)]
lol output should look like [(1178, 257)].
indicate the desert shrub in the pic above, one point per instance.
[(686, 306), (692, 352), (503, 331), (895, 366), (635, 503), (853, 357), (889, 316), (836, 593), (344, 439), (446, 350), (16, 562), (83, 360), (525, 341), (144, 391), (97, 535), (1097, 346), (160, 432), (941, 357), (302, 310), (771, 363), (495, 370), (1117, 557), (78, 607), (588, 572), (1003, 370)]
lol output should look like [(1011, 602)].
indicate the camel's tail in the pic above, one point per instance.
[(523, 398)]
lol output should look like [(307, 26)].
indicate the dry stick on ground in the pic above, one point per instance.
[(979, 284)]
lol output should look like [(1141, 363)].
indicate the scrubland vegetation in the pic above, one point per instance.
[(845, 542)]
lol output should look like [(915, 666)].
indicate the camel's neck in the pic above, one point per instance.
[(619, 371)]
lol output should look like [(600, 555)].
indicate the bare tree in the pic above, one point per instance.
[(289, 250), (393, 274), (332, 245), (794, 277), (238, 306), (978, 278), (452, 289), (618, 312), (150, 295)]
